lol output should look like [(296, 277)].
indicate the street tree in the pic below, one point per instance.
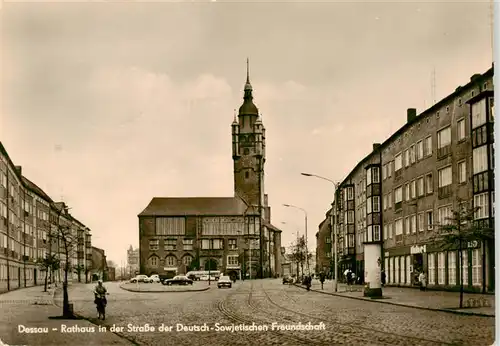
[(459, 232), (195, 264), (49, 263), (68, 239), (79, 269), (298, 254)]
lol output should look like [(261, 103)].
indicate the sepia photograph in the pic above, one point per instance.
[(229, 172)]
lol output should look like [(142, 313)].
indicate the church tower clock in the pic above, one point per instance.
[(249, 150)]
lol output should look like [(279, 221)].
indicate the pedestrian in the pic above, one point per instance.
[(322, 279), (349, 278), (382, 277), (423, 281)]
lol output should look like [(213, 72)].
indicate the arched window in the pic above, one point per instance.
[(187, 260), (171, 261), (153, 261)]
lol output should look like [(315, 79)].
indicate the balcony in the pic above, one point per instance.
[(89, 257)]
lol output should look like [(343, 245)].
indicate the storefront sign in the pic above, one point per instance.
[(418, 249), (472, 244), (170, 269)]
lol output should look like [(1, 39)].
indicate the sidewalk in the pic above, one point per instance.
[(31, 307), (429, 300)]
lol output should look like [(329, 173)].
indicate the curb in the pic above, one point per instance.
[(184, 291), (93, 321), (463, 313)]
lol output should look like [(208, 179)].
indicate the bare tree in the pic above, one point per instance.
[(298, 254), (459, 231), (79, 269), (48, 264), (69, 241)]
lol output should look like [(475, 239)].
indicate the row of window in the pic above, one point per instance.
[(399, 269), (171, 261), (425, 184), (423, 148), (425, 220), (206, 244)]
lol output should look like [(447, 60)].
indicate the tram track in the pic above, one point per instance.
[(279, 336), (337, 336), (388, 338)]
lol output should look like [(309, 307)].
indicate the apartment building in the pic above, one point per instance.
[(27, 231), (324, 245), (397, 197)]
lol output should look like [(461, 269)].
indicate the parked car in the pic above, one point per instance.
[(140, 278), (287, 279), (178, 280), (154, 278), (224, 281)]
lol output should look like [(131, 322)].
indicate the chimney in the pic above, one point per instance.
[(411, 114), (19, 169), (375, 146), (475, 76)]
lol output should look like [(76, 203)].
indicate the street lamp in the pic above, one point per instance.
[(333, 222), (305, 215)]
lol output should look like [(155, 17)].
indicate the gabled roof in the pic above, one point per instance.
[(196, 206), (34, 188), (271, 227)]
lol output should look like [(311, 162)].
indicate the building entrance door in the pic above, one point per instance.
[(418, 267)]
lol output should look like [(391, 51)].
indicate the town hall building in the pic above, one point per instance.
[(233, 235)]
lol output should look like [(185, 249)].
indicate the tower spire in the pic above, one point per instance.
[(248, 86), (248, 107), (248, 71)]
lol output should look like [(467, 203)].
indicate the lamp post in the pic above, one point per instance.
[(305, 217), (333, 222)]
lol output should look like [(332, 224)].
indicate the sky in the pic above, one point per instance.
[(106, 105)]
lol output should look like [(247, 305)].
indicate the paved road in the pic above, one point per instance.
[(263, 302)]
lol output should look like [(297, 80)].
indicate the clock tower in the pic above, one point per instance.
[(249, 150)]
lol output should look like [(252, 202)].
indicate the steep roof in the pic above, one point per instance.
[(271, 226), (34, 188), (193, 206)]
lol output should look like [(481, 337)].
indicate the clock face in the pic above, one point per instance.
[(246, 161)]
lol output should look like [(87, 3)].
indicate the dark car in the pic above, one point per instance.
[(178, 280), (193, 277)]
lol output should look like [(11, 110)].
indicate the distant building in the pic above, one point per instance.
[(111, 274), (230, 234), (99, 265), (324, 245), (286, 265), (132, 261)]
